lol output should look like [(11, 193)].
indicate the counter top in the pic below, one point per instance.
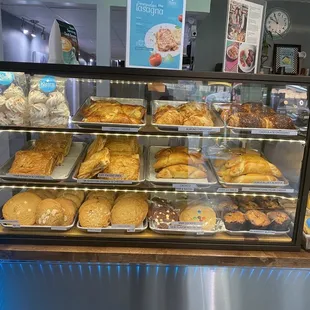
[(155, 256)]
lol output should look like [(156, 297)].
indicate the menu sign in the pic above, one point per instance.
[(155, 32), (243, 36)]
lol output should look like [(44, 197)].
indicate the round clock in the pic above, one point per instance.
[(278, 23)]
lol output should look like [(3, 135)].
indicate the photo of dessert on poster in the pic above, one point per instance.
[(232, 54), (243, 36)]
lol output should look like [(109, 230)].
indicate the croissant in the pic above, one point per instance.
[(181, 172), (178, 158), (95, 164), (170, 150), (252, 177), (96, 146)]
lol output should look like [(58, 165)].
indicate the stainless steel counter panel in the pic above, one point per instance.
[(45, 286)]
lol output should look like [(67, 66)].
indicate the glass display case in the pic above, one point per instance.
[(116, 156)]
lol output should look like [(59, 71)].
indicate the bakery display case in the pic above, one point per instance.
[(146, 158)]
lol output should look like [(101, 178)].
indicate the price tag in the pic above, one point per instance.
[(262, 232), (128, 228), (270, 183), (109, 175), (27, 176), (186, 226), (95, 181), (61, 228), (185, 187), (199, 129), (227, 190), (10, 223), (274, 132), (94, 230), (270, 190), (121, 129)]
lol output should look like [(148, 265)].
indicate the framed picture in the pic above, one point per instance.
[(285, 59)]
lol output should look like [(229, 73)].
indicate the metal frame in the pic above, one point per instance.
[(132, 74)]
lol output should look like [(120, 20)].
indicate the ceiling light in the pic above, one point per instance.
[(23, 27), (33, 31), (91, 60)]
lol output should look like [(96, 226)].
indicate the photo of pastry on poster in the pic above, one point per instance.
[(155, 30), (243, 36)]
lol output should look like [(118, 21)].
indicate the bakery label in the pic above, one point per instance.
[(227, 190), (273, 190), (198, 129), (155, 33), (28, 176), (121, 129), (47, 84), (196, 226), (109, 175), (94, 181), (128, 228), (278, 132), (184, 187), (11, 223)]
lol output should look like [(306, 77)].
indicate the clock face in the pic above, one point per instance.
[(278, 23)]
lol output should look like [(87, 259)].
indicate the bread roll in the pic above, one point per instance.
[(50, 213), (22, 208), (181, 172)]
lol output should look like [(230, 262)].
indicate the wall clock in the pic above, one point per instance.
[(278, 23)]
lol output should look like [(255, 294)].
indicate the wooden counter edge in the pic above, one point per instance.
[(154, 256)]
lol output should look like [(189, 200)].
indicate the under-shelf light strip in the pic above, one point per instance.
[(154, 136), (144, 191), (112, 81)]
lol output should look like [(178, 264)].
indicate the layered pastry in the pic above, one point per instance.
[(112, 111), (201, 214), (257, 220), (235, 221), (122, 145), (255, 115), (280, 221), (179, 163), (188, 114)]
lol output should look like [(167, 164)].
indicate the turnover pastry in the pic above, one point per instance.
[(96, 146), (122, 145), (168, 115), (171, 150), (181, 172)]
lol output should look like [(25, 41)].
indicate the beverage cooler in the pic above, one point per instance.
[(144, 159)]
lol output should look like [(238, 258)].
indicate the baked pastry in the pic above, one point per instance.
[(198, 120), (235, 221), (129, 211), (168, 115), (127, 167), (251, 178), (124, 196), (43, 193), (22, 208), (33, 163), (277, 121), (49, 213), (257, 219), (110, 196), (280, 221), (181, 172), (307, 225), (171, 150), (201, 214), (193, 108), (95, 213), (69, 210), (192, 159), (268, 203), (96, 146), (76, 196), (61, 141), (163, 216), (245, 120), (122, 145), (95, 164)]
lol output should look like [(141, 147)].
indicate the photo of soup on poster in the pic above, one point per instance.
[(232, 54)]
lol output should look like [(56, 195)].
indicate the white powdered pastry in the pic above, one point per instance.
[(2, 104), (15, 118), (58, 121), (38, 111), (16, 105), (44, 121), (3, 120), (13, 91), (36, 96), (60, 110), (54, 99)]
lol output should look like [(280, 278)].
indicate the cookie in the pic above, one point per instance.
[(69, 210), (80, 195), (73, 198), (22, 208), (102, 194), (50, 213), (163, 216), (43, 193), (143, 196), (95, 213)]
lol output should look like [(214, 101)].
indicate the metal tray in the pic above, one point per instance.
[(151, 176), (281, 183), (60, 173), (218, 124), (188, 231), (112, 182), (78, 117), (115, 228), (15, 225), (258, 232)]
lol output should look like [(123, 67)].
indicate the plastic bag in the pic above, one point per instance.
[(13, 102), (48, 106)]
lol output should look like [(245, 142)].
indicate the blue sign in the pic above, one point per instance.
[(155, 31), (47, 84), (6, 78)]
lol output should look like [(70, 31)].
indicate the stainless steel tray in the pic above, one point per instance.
[(78, 117), (282, 181), (185, 229), (151, 176), (258, 232), (155, 104), (15, 225), (112, 182), (115, 228), (60, 173)]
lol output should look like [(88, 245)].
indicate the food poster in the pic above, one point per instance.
[(70, 44), (155, 33), (243, 36)]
